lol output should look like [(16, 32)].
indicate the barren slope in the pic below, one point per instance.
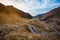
[(18, 25)]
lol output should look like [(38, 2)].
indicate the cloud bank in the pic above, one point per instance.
[(34, 7)]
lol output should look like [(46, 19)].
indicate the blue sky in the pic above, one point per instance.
[(34, 7)]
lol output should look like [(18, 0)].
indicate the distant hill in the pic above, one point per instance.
[(55, 13), (39, 15)]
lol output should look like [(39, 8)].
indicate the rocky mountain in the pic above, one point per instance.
[(10, 9), (52, 17), (10, 14), (55, 13), (18, 25), (19, 12)]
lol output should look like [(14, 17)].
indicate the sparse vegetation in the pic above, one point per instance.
[(18, 25)]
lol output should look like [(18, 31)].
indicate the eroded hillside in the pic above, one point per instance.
[(18, 25)]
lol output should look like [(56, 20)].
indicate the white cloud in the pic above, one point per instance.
[(31, 6)]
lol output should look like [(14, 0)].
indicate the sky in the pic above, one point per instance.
[(33, 7)]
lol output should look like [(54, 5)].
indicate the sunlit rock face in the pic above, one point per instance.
[(18, 25)]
